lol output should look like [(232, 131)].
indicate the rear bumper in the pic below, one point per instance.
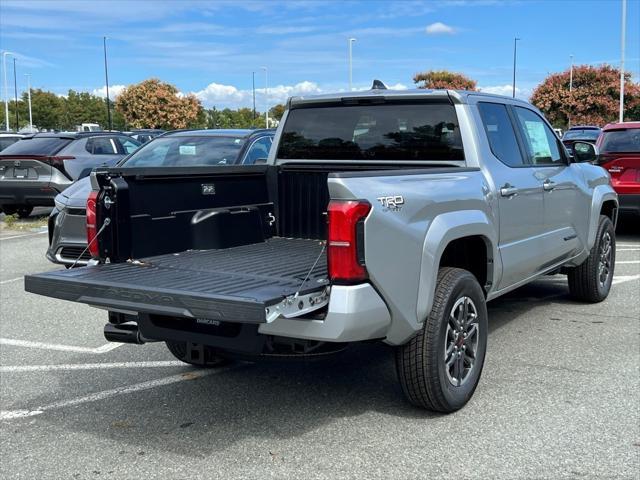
[(354, 313), (629, 203), (35, 193)]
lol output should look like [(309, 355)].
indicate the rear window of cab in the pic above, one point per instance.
[(399, 131)]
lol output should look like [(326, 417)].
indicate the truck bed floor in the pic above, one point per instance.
[(232, 284)]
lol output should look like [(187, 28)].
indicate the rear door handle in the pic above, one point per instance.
[(548, 185), (508, 191)]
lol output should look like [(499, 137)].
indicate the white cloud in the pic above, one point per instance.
[(440, 28), (216, 94), (507, 90), (114, 91)]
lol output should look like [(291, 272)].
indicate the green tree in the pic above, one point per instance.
[(594, 98), (277, 111), (444, 79)]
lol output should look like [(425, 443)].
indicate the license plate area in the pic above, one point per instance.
[(21, 173)]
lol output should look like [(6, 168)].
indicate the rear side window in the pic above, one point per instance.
[(540, 141), (101, 146), (37, 146), (621, 141), (500, 133), (426, 131)]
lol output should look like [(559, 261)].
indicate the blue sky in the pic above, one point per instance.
[(211, 48)]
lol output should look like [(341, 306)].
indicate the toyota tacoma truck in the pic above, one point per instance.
[(390, 216)]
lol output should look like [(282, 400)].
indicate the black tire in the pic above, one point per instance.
[(24, 211), (196, 354), (585, 280), (10, 209), (421, 367)]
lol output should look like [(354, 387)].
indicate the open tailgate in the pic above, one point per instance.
[(234, 284)]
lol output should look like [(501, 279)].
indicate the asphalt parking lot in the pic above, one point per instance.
[(559, 397)]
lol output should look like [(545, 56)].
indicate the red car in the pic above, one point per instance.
[(619, 147)]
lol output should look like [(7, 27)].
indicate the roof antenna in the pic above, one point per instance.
[(378, 85)]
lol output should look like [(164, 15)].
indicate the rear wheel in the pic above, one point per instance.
[(591, 281), (23, 211), (440, 367), (196, 354)]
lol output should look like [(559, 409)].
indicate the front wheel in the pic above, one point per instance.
[(196, 354), (440, 367), (591, 281)]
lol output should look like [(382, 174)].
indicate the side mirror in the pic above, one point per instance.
[(585, 152)]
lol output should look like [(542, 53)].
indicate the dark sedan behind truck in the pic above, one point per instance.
[(193, 148), (38, 167)]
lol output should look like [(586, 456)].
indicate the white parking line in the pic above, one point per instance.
[(60, 348), (89, 366), (628, 249), (23, 236), (627, 261), (11, 281), (624, 278), (94, 397)]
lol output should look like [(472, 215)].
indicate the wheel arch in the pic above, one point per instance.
[(447, 236), (604, 201)]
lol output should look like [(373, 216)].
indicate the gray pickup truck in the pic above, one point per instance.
[(388, 216)]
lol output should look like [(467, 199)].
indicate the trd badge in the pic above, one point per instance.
[(208, 189)]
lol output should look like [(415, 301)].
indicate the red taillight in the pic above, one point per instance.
[(92, 224), (59, 161), (345, 252)]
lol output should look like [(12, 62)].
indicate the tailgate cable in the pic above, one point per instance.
[(324, 246), (106, 223)]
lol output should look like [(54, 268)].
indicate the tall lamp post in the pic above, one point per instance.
[(570, 84), (15, 92), (28, 75), (253, 84), (6, 90), (266, 97), (106, 78), (351, 40), (515, 56), (622, 42)]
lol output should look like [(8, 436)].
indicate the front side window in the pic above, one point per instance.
[(621, 141), (500, 133), (540, 141), (382, 132), (186, 151), (259, 150), (129, 145)]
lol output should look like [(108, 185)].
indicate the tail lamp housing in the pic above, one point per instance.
[(92, 224), (345, 240)]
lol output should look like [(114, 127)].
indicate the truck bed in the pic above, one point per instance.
[(233, 284)]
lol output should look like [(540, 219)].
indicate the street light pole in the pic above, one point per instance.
[(253, 83), (622, 42), (6, 90), (571, 75), (15, 91), (28, 75), (570, 87), (266, 98), (351, 40), (106, 78), (515, 53)]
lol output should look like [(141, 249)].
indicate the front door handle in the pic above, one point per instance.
[(508, 190), (548, 185)]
